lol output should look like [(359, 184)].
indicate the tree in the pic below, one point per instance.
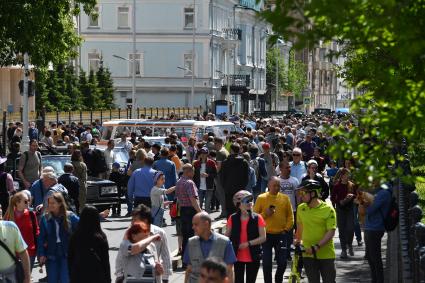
[(43, 29), (297, 76), (292, 77), (41, 92), (84, 89), (275, 62), (71, 89), (91, 95), (105, 86), (384, 47)]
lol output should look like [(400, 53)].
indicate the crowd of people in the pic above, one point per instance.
[(275, 184)]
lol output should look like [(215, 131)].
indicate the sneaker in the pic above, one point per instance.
[(350, 251), (344, 254), (359, 243)]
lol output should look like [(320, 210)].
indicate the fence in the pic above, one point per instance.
[(89, 116)]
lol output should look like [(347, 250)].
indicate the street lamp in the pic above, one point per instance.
[(192, 92), (133, 89)]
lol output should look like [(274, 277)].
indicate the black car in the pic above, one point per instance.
[(101, 193)]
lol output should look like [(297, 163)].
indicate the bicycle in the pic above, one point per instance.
[(295, 276)]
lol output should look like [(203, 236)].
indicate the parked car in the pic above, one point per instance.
[(101, 193)]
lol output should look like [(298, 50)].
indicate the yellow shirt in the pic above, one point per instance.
[(282, 219)]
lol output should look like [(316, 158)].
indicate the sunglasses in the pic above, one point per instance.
[(246, 200)]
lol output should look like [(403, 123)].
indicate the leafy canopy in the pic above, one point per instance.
[(45, 29), (384, 46)]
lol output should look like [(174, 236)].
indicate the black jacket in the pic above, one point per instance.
[(234, 174), (210, 169)]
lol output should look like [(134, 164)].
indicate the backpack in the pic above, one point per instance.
[(256, 166), (391, 219)]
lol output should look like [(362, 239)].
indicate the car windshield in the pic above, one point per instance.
[(57, 162)]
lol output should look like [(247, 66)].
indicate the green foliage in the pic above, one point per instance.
[(297, 76), (292, 78), (71, 88), (106, 87), (44, 29), (384, 46)]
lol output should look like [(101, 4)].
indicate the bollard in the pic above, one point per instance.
[(110, 114), (138, 113), (119, 113)]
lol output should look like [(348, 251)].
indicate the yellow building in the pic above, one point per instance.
[(10, 99)]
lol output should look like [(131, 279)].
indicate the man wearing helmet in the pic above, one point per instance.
[(316, 225)]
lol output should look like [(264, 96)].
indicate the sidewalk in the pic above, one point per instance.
[(352, 270)]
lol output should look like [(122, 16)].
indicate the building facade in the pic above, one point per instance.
[(228, 40), (10, 98)]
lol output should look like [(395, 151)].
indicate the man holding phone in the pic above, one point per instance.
[(276, 209)]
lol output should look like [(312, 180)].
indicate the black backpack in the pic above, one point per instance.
[(391, 219)]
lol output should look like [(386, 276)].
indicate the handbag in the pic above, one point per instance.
[(19, 268)]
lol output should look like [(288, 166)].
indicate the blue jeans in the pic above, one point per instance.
[(157, 216), (278, 243), (263, 185), (57, 270), (205, 197)]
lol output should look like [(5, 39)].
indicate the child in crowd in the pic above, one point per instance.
[(158, 199)]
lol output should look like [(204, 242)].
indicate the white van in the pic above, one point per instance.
[(183, 128)]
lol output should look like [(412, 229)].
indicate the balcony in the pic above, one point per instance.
[(251, 4), (239, 84)]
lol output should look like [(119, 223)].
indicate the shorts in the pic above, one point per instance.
[(178, 226)]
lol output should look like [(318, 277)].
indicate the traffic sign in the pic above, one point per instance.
[(307, 100)]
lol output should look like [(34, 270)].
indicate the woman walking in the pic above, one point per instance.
[(343, 195), (88, 257), (26, 220), (246, 230), (80, 171), (56, 227)]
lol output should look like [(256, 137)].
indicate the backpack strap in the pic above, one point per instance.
[(34, 226), (6, 248)]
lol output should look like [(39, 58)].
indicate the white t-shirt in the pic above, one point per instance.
[(288, 187), (203, 183), (109, 157)]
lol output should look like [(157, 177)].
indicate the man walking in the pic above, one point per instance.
[(298, 169), (72, 184), (206, 244), (276, 209), (187, 196), (234, 176), (140, 185), (374, 231), (29, 168), (316, 225), (221, 155)]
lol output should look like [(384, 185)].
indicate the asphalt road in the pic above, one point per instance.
[(352, 270)]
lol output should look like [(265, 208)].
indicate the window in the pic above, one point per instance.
[(94, 61), (123, 17), (189, 16), (188, 64), (139, 64), (94, 18)]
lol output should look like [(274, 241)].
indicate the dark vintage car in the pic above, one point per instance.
[(101, 193)]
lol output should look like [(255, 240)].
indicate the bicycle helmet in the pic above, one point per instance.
[(311, 186), (239, 196)]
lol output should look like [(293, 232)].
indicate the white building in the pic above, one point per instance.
[(230, 45)]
